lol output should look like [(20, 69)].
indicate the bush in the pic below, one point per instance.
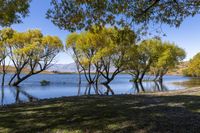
[(44, 82)]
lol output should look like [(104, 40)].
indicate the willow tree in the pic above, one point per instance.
[(75, 15), (5, 36), (84, 46), (12, 11), (32, 51), (193, 68), (71, 44), (104, 50), (149, 51), (134, 62), (153, 57), (170, 55), (114, 45)]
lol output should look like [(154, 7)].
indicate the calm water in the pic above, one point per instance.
[(67, 85)]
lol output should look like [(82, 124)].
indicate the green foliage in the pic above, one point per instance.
[(110, 47), (28, 49), (44, 82), (170, 55), (102, 49), (75, 15), (193, 68), (12, 11), (5, 37), (155, 57)]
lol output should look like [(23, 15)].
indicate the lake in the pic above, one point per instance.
[(67, 85)]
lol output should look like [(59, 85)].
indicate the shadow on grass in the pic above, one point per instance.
[(140, 113)]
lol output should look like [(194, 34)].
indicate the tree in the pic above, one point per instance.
[(75, 15), (12, 11), (149, 51), (115, 44), (133, 64), (193, 68), (33, 51), (84, 48), (71, 44), (101, 50), (5, 36), (153, 57), (169, 57)]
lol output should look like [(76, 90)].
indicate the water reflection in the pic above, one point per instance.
[(148, 87), (193, 82), (106, 89), (19, 96), (2, 95), (67, 85), (94, 89)]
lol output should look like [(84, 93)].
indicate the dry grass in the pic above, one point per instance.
[(11, 69)]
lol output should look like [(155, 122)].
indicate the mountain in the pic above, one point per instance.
[(62, 68), (178, 70), (70, 68)]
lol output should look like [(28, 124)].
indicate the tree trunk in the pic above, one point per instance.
[(136, 77), (19, 80), (142, 76), (144, 72), (108, 90), (160, 79), (136, 87), (4, 73), (107, 81), (10, 82), (142, 87), (156, 76), (2, 95)]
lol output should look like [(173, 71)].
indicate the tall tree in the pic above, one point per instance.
[(75, 15), (134, 62), (84, 48), (71, 44), (153, 57), (5, 37), (170, 55), (115, 43), (104, 50), (149, 51), (193, 68), (12, 11), (33, 51)]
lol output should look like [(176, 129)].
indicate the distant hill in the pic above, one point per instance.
[(179, 68), (63, 68), (71, 68), (11, 69), (67, 68)]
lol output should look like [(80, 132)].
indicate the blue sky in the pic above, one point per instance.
[(186, 36)]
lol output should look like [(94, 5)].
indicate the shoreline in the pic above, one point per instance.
[(187, 91), (174, 111)]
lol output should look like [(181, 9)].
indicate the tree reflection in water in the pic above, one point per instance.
[(18, 93), (94, 89), (2, 95), (153, 86), (137, 87)]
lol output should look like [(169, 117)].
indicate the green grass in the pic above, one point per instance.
[(177, 111)]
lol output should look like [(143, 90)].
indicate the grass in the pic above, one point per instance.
[(164, 112)]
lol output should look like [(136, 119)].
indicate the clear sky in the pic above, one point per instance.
[(186, 36)]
